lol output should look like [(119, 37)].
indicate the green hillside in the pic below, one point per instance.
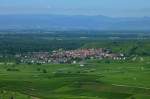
[(130, 47), (96, 80)]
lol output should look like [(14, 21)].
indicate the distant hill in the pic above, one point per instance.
[(64, 22)]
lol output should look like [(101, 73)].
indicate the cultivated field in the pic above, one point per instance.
[(96, 80)]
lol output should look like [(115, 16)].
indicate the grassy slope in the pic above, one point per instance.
[(97, 80)]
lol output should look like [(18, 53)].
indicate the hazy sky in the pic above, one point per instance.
[(123, 8)]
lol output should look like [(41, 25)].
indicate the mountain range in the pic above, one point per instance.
[(76, 22)]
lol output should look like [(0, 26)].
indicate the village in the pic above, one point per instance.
[(69, 56)]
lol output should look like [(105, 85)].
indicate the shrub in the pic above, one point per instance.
[(12, 69), (44, 71), (38, 69)]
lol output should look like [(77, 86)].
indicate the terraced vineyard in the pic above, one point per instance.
[(95, 80)]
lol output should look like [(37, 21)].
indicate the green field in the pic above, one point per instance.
[(96, 80)]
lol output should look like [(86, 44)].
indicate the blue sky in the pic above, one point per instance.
[(115, 8)]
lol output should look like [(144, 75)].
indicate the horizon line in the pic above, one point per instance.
[(75, 15)]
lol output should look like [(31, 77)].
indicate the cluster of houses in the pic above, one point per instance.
[(70, 56)]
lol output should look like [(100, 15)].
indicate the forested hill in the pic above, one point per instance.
[(58, 22)]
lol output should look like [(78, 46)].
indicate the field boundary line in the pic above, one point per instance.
[(130, 86)]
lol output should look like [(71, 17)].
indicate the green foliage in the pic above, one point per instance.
[(12, 69), (44, 71), (96, 80), (130, 47)]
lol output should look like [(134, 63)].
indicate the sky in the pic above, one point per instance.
[(113, 8)]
